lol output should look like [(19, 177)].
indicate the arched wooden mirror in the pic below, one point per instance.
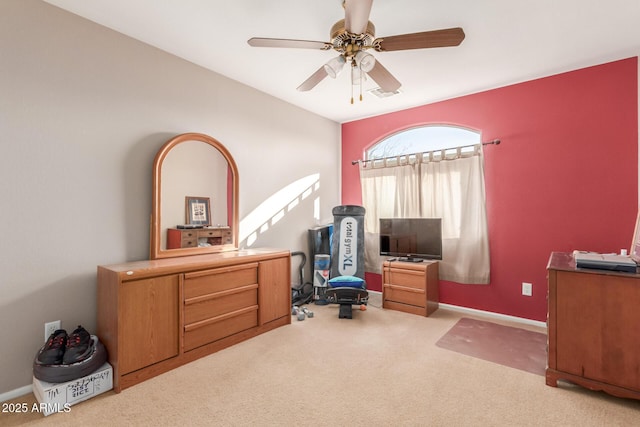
[(195, 198)]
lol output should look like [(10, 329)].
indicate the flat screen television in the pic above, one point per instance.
[(411, 239)]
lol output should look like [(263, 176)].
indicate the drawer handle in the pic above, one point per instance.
[(250, 266), (401, 271), (220, 294), (404, 288), (200, 324)]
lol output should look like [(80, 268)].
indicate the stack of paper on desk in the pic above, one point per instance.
[(605, 262)]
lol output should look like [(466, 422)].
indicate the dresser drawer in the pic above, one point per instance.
[(199, 334), (218, 280), (214, 305)]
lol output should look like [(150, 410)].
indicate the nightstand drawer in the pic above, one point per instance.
[(405, 295), (408, 278)]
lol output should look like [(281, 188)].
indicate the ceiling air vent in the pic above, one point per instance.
[(382, 94)]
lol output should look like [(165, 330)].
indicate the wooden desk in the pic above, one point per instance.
[(593, 327), (192, 238)]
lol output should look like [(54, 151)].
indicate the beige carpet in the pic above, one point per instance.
[(380, 368)]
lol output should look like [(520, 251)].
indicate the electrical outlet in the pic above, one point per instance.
[(49, 328), (527, 289)]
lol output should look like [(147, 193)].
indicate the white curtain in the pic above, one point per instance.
[(438, 185), (387, 192)]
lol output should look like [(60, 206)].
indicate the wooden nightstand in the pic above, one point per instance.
[(410, 287)]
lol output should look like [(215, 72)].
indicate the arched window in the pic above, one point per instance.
[(424, 139), (424, 173)]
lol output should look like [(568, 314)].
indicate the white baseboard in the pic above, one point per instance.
[(12, 394), (495, 315), (485, 313)]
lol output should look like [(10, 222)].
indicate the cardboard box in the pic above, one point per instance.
[(58, 397)]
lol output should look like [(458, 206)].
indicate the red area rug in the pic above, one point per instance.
[(505, 345)]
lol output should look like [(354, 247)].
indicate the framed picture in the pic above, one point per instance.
[(198, 210), (635, 243)]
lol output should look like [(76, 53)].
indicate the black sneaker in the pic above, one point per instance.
[(78, 347), (52, 352)]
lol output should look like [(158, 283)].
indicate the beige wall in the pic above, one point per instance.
[(82, 112)]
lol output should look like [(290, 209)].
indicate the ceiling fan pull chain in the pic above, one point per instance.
[(361, 78), (352, 81)]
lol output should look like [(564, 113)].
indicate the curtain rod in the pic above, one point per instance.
[(494, 142)]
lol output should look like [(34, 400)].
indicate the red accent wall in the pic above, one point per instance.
[(564, 177)]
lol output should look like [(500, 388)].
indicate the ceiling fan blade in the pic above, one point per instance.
[(384, 78), (312, 81), (300, 44), (356, 15), (426, 39)]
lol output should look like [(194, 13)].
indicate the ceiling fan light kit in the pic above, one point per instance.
[(334, 66), (355, 34), (365, 61)]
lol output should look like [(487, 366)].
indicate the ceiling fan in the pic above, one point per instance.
[(352, 37)]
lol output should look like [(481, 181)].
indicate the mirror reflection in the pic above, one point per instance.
[(195, 188)]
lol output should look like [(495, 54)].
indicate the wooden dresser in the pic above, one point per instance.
[(593, 327), (190, 238), (156, 315), (411, 287)]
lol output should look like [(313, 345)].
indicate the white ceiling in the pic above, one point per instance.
[(507, 41)]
